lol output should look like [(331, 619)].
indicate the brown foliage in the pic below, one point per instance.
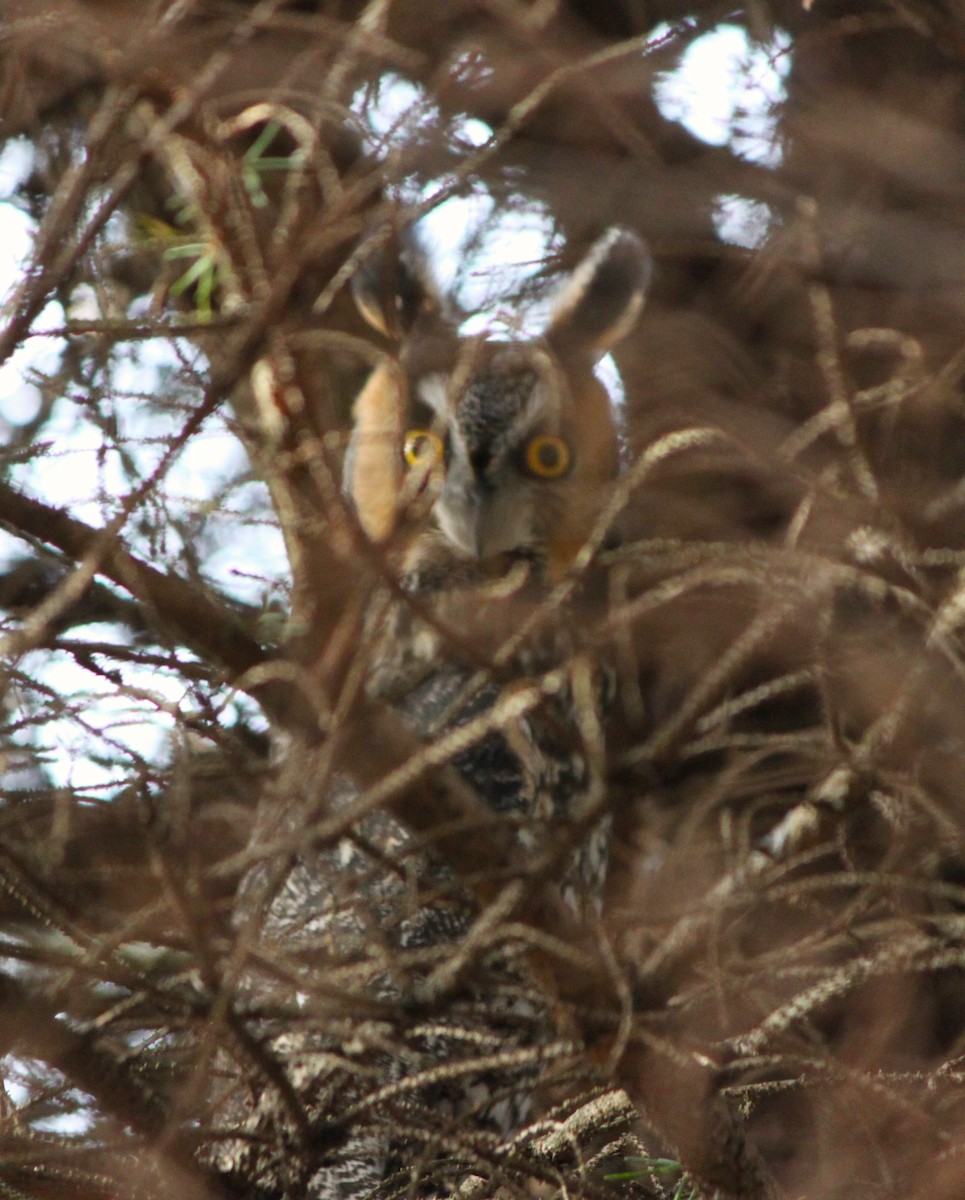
[(773, 995)]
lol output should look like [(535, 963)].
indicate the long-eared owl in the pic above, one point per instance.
[(488, 460), (478, 468)]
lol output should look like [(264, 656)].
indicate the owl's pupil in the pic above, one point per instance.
[(548, 455)]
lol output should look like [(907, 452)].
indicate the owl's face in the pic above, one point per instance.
[(499, 447)]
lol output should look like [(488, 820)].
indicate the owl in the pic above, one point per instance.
[(475, 456), (478, 468)]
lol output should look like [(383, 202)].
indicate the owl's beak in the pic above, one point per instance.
[(482, 518), (484, 531), (496, 524), (471, 518), (478, 527)]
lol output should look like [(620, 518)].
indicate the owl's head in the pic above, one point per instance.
[(498, 446)]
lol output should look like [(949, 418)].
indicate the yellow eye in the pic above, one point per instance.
[(547, 457), (422, 448)]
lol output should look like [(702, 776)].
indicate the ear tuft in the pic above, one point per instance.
[(391, 288), (602, 299)]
